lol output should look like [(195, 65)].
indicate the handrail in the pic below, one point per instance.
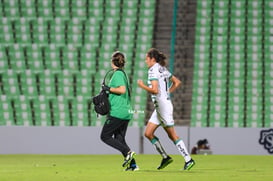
[(173, 38)]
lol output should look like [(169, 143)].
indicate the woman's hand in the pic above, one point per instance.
[(140, 83), (153, 89)]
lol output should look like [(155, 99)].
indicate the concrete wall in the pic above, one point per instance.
[(86, 140)]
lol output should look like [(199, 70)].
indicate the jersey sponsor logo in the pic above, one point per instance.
[(266, 139)]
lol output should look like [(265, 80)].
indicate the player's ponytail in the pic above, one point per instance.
[(158, 56)]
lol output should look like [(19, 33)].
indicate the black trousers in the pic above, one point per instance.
[(113, 134)]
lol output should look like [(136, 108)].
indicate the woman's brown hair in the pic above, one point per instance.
[(118, 59)]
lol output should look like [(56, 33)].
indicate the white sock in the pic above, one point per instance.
[(183, 150)]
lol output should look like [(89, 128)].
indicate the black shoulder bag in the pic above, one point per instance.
[(101, 101)]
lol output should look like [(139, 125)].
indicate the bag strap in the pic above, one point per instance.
[(129, 92), (103, 82)]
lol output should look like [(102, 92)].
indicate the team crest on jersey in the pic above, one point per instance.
[(161, 69), (266, 139)]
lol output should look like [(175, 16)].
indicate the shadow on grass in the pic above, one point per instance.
[(167, 171)]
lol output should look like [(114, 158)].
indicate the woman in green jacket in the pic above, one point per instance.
[(115, 127)]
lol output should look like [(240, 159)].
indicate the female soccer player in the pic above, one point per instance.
[(115, 127), (158, 85)]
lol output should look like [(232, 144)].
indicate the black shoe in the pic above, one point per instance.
[(189, 164), (132, 167), (165, 162), (128, 158)]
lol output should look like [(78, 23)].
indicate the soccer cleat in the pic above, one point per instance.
[(132, 167), (128, 158), (189, 164), (165, 162)]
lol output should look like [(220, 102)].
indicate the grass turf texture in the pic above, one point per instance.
[(108, 167)]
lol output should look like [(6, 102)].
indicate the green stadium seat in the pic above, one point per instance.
[(113, 4), (70, 59), (16, 53), (112, 12), (79, 9), (240, 64), (47, 85), (236, 119), (97, 12), (45, 8), (110, 25), (25, 111), (6, 31), (84, 83), (55, 113), (199, 115), (39, 27), (75, 32), (28, 9), (6, 114), (22, 31), (92, 27), (28, 84), (42, 111), (11, 83), (11, 10), (62, 12), (130, 4), (52, 61), (57, 30), (217, 118), (88, 58), (34, 57), (254, 110), (3, 60), (80, 111), (66, 84), (58, 48)]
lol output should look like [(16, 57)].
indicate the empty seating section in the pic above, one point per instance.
[(54, 54), (233, 64)]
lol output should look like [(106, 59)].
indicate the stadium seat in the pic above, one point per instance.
[(42, 111), (6, 113), (237, 61), (62, 50)]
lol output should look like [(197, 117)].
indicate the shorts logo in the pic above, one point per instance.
[(266, 139)]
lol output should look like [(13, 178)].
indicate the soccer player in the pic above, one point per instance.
[(159, 79), (115, 127)]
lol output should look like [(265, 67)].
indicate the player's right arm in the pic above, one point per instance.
[(153, 89)]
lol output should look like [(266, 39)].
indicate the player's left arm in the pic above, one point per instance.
[(175, 84)]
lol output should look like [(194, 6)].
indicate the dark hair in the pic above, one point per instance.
[(202, 142), (118, 59), (157, 55)]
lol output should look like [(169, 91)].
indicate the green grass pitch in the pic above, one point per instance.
[(108, 167)]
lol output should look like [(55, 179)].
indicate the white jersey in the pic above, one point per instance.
[(162, 75), (163, 113)]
